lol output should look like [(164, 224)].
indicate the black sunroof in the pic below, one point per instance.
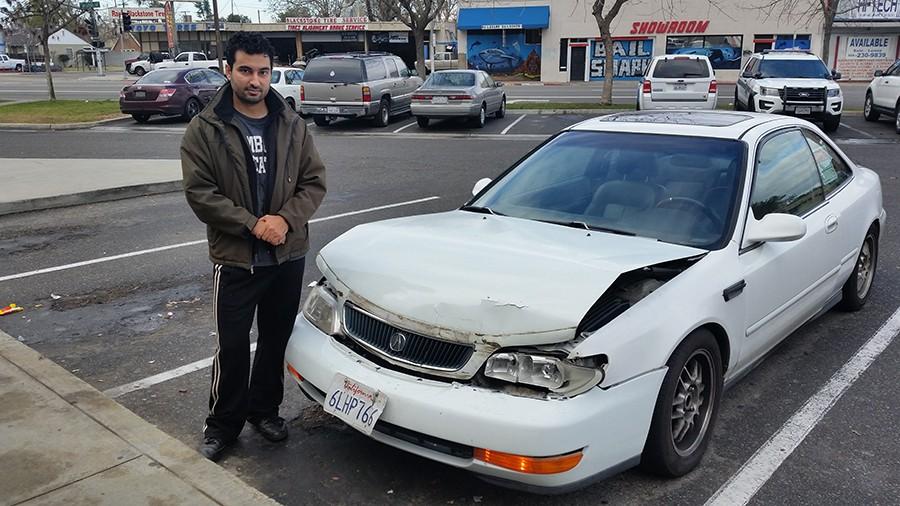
[(699, 118)]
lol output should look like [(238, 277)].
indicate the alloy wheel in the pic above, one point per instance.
[(864, 269), (691, 406)]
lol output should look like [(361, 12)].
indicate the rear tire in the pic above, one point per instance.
[(858, 286), (18, 67), (139, 71), (191, 109), (686, 407), (869, 111), (141, 118), (481, 119), (831, 123), (320, 120), (897, 118), (737, 103), (384, 113), (422, 121)]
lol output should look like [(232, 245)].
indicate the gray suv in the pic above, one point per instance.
[(352, 85)]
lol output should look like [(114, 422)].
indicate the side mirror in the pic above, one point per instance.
[(835, 74), (747, 75), (499, 84), (480, 185), (757, 75), (775, 227), (878, 73)]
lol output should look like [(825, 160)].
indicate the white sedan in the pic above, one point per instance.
[(583, 312)]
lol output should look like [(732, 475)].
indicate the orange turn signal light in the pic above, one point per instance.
[(294, 372), (530, 465)]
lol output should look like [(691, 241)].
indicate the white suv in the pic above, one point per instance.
[(790, 82), (678, 82), (883, 95)]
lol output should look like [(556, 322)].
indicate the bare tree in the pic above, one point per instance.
[(823, 11), (311, 8), (382, 10), (45, 17), (604, 22), (416, 14)]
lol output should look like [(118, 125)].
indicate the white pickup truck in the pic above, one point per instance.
[(188, 59), (7, 63)]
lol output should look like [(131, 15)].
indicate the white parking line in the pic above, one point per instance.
[(756, 472), (867, 134), (404, 127), (193, 243), (507, 129)]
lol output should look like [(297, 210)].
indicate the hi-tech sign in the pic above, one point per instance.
[(868, 10), (652, 27)]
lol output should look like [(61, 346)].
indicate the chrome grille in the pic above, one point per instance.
[(417, 349), (804, 95)]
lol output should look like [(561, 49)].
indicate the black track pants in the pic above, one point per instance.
[(235, 396)]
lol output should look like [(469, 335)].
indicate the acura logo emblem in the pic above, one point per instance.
[(398, 341)]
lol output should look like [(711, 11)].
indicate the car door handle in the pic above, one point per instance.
[(831, 224)]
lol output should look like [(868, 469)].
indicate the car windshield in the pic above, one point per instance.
[(334, 70), (160, 77), (680, 68), (450, 79), (803, 69), (671, 188)]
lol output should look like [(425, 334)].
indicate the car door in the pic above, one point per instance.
[(399, 95), (493, 92), (196, 80), (182, 60), (745, 82), (891, 87), (214, 81), (408, 85), (784, 283)]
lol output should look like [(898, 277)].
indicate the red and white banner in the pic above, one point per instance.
[(140, 14), (325, 28)]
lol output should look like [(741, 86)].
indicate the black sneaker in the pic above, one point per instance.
[(274, 429), (212, 448)]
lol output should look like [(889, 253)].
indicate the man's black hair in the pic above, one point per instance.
[(250, 43)]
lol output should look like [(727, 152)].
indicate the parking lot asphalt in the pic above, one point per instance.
[(148, 316)]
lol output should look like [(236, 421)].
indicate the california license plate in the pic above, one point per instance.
[(140, 94), (354, 403), (439, 100), (679, 86), (333, 110), (803, 110)]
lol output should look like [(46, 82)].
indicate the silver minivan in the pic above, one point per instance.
[(353, 85)]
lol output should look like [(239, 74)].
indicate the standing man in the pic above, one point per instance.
[(253, 175)]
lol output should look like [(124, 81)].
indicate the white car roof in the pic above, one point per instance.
[(720, 124)]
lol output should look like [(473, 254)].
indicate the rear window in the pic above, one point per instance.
[(160, 77), (681, 68), (334, 70), (444, 79)]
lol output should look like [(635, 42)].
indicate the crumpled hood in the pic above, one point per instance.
[(797, 83), (483, 276)]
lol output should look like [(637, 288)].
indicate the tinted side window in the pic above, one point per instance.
[(490, 82), (215, 78), (199, 56), (787, 180), (197, 77), (896, 71), (182, 57), (276, 76), (392, 67), (404, 71), (832, 169), (375, 69)]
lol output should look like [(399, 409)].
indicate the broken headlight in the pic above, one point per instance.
[(321, 309), (555, 374)]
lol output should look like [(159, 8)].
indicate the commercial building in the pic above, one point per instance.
[(558, 40)]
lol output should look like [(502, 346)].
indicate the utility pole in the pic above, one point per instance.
[(218, 34), (122, 39)]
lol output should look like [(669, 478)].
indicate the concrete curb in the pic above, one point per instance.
[(89, 197), (186, 464), (58, 126)]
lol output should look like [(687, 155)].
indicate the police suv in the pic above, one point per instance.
[(794, 82)]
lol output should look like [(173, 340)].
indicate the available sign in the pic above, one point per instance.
[(631, 58), (869, 48), (868, 10), (136, 14), (651, 27)]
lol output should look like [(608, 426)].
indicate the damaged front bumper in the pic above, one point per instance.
[(455, 423)]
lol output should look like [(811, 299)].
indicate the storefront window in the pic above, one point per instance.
[(563, 54), (723, 51), (532, 36)]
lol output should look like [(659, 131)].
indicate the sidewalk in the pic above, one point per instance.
[(66, 443), (66, 182)]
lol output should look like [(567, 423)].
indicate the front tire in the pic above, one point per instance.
[(686, 407), (422, 121), (139, 71), (751, 103), (857, 288), (191, 109), (18, 67), (831, 123), (141, 117), (737, 103), (869, 111), (897, 118)]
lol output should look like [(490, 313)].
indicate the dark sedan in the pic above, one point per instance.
[(170, 92)]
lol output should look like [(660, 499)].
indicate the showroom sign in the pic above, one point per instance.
[(652, 27), (868, 10)]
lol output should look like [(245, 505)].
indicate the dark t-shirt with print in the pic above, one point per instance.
[(255, 131)]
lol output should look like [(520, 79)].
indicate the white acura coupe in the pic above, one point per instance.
[(584, 311)]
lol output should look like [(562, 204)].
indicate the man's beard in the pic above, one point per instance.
[(243, 97)]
